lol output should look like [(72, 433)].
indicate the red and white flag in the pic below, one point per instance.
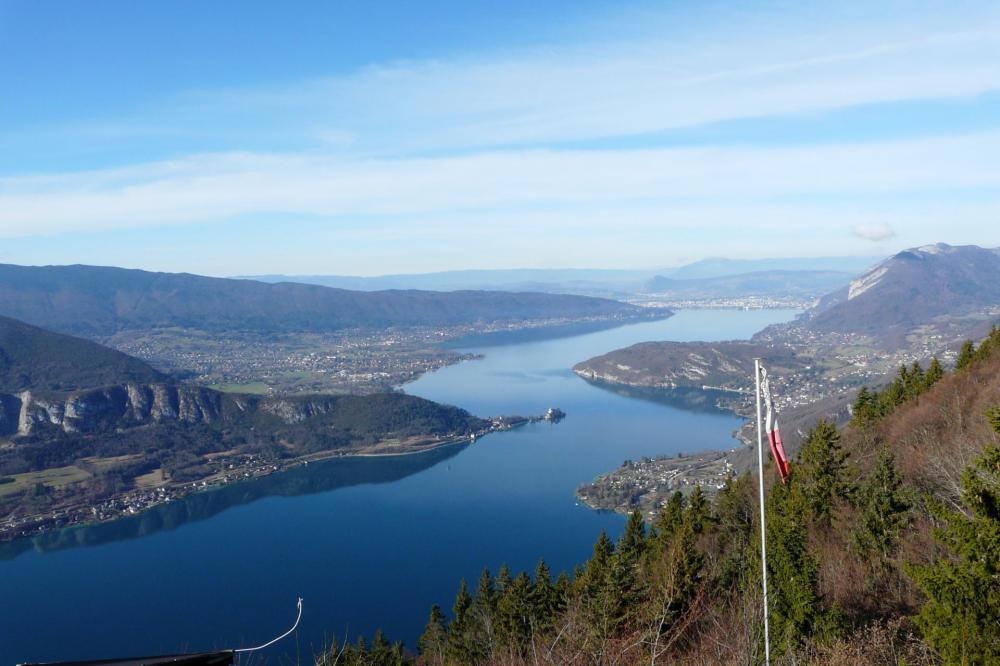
[(773, 433)]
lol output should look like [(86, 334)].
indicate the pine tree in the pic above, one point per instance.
[(883, 512), (734, 515), (460, 640), (434, 640), (990, 345), (794, 601), (596, 572), (822, 471), (620, 596), (486, 594), (667, 521), (593, 587), (966, 356), (698, 511), (504, 579), (564, 588), (544, 602), (514, 612), (959, 619), (915, 381), (935, 371), (382, 653), (633, 540), (482, 623), (865, 408)]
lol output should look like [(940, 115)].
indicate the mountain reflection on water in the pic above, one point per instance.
[(704, 401), (316, 477)]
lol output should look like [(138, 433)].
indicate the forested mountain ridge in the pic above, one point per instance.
[(883, 548), (36, 359), (97, 302)]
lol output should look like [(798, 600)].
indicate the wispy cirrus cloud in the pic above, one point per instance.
[(598, 90), (222, 186)]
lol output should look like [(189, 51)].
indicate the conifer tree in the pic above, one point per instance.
[(434, 640), (621, 594), (563, 590), (504, 579), (596, 572), (823, 471), (734, 515), (915, 381), (633, 540), (486, 593), (883, 512), (544, 603), (514, 612), (793, 571), (990, 345), (667, 521), (698, 511), (382, 653), (959, 619), (593, 587), (935, 371), (482, 623), (966, 355), (460, 640), (865, 408)]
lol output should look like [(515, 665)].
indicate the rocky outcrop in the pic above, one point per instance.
[(129, 405), (111, 407)]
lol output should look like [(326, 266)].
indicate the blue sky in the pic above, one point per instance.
[(388, 137)]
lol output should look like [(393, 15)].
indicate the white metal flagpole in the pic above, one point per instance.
[(763, 529)]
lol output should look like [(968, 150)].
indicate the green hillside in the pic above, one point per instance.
[(36, 359)]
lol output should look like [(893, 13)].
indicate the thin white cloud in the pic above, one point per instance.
[(873, 232), (223, 186), (771, 66)]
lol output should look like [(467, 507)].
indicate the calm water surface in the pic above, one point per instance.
[(369, 543)]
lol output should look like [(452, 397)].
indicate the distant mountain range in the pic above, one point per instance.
[(98, 302), (606, 282), (785, 283), (721, 267)]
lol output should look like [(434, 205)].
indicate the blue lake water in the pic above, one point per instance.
[(368, 543)]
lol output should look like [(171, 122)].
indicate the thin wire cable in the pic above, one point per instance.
[(284, 635)]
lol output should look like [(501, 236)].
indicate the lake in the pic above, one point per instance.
[(367, 542)]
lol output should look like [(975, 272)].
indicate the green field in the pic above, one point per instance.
[(257, 388), (55, 478)]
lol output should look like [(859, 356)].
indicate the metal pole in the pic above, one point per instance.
[(763, 530)]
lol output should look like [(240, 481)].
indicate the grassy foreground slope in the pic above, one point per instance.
[(883, 548)]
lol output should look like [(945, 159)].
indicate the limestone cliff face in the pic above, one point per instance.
[(124, 406), (106, 408)]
